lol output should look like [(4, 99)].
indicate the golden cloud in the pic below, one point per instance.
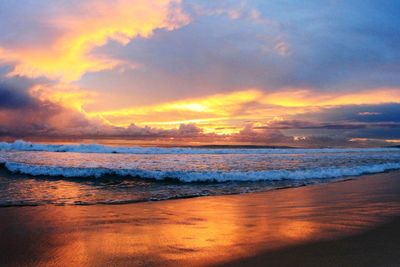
[(227, 113), (69, 55)]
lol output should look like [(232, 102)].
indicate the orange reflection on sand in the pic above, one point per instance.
[(198, 231), (297, 229)]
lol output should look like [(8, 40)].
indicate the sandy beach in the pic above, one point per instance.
[(349, 223)]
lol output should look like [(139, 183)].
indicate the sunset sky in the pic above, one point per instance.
[(298, 73)]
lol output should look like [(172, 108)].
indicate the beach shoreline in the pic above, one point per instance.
[(281, 226)]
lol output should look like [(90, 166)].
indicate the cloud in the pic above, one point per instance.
[(340, 46), (383, 112), (249, 134), (368, 113), (61, 36), (255, 135), (13, 98), (37, 107), (346, 121), (227, 113), (22, 113)]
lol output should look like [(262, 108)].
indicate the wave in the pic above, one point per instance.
[(21, 145), (188, 176)]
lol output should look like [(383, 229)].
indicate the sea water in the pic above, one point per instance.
[(86, 174)]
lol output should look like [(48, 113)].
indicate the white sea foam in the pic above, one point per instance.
[(21, 145), (198, 176)]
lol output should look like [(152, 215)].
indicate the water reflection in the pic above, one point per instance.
[(197, 231)]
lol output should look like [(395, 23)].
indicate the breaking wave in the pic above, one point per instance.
[(21, 145), (199, 176)]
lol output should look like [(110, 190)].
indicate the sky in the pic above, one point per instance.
[(297, 73)]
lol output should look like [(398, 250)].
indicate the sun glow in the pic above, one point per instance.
[(227, 113)]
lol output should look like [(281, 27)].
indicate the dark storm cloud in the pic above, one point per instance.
[(379, 113), (13, 99), (353, 121), (275, 136), (14, 91), (22, 114), (13, 95)]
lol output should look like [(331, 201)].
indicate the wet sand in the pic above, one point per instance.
[(351, 223), (377, 247)]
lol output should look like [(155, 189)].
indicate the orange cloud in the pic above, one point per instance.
[(227, 113), (202, 111), (307, 98), (69, 55), (65, 95)]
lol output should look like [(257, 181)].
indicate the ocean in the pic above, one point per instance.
[(90, 174)]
